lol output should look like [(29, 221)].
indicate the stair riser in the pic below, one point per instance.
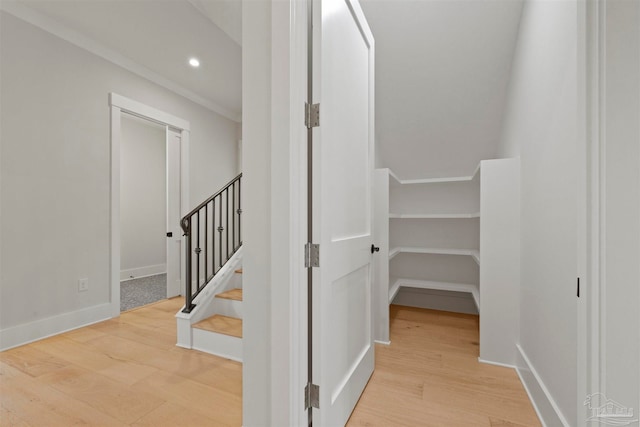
[(228, 307), (218, 344), (236, 281)]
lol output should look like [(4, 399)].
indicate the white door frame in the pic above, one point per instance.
[(591, 97), (275, 211), (118, 105)]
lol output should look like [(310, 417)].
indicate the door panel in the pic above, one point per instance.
[(343, 352)]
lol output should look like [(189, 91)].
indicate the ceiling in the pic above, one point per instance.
[(226, 14), (442, 74), (442, 66), (161, 35)]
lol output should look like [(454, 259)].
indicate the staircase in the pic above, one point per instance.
[(211, 319), (221, 333)]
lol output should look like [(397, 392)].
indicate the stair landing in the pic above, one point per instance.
[(222, 325), (233, 294)]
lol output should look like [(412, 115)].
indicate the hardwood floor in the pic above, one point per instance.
[(222, 325), (128, 372), (430, 376), (122, 372)]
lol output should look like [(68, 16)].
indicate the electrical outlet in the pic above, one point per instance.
[(83, 285)]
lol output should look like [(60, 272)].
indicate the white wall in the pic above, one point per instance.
[(55, 169), (540, 126), (143, 197), (442, 71)]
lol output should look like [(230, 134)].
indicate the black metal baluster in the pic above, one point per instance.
[(198, 253), (220, 229), (193, 245), (226, 211), (240, 211), (206, 241), (213, 237)]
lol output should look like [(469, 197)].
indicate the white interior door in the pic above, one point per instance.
[(174, 232), (343, 157)]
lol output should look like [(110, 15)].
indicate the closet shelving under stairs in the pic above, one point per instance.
[(436, 218), (457, 234)]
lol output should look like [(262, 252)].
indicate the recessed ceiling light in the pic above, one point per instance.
[(194, 62)]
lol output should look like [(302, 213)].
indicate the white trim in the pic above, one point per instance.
[(590, 347), (293, 157), (639, 219), (436, 216), (51, 26), (136, 108), (184, 194), (504, 365), (531, 399), (545, 406), (114, 241), (382, 342), (222, 345), (439, 180), (33, 331), (599, 315), (140, 272), (120, 104), (393, 290), (475, 254)]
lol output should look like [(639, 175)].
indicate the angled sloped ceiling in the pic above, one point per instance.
[(442, 74)]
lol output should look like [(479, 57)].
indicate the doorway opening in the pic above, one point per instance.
[(143, 212), (149, 169)]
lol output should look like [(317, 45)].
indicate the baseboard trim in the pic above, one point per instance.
[(382, 342), (26, 333), (504, 365), (140, 272), (545, 406)]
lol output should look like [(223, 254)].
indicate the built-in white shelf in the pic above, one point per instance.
[(436, 216), (467, 178), (439, 286), (475, 254)]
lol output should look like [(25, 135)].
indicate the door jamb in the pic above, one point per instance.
[(591, 98), (119, 104)]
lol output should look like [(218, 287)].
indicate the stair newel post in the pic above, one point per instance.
[(226, 217), (233, 217), (186, 227)]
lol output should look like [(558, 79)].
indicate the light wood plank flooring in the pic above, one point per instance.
[(430, 376), (122, 372), (232, 294), (221, 324), (128, 372)]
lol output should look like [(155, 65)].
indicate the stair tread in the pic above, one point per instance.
[(239, 271), (221, 324), (234, 294)]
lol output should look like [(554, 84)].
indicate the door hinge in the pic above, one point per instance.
[(311, 115), (311, 396), (311, 255)]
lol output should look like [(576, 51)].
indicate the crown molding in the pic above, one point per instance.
[(57, 29)]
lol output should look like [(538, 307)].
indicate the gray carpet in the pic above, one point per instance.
[(138, 292)]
